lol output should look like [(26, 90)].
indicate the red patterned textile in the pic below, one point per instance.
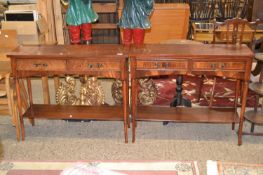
[(224, 91)]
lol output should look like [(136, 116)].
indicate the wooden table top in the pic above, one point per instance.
[(116, 50), (193, 50), (68, 51)]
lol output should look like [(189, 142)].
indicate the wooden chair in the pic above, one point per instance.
[(255, 117), (233, 31)]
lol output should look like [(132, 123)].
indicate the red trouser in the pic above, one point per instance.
[(74, 33), (86, 31), (136, 34)]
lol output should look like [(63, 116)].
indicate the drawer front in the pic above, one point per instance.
[(41, 65), (158, 65), (211, 66), (84, 65)]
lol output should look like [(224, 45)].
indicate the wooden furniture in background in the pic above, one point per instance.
[(257, 10), (228, 9), (58, 22), (167, 59), (106, 30), (8, 41), (46, 9), (202, 10), (235, 31), (203, 32), (169, 21), (108, 61), (256, 116)]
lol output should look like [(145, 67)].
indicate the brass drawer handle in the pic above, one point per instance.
[(40, 65), (223, 66), (99, 65), (213, 66), (90, 66), (165, 65), (161, 65), (157, 65)]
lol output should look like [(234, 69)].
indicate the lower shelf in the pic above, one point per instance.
[(191, 115), (75, 112), (255, 117)]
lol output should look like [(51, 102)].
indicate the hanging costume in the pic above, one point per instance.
[(135, 19)]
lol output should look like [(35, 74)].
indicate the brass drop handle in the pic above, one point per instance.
[(90, 66), (165, 65), (99, 65), (213, 66), (223, 66), (157, 65), (40, 65)]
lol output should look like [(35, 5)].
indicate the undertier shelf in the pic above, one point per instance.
[(188, 115), (75, 112)]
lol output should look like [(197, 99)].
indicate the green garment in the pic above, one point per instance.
[(80, 12), (135, 14)]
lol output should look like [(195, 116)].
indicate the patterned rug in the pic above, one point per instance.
[(99, 168), (194, 85), (227, 168)]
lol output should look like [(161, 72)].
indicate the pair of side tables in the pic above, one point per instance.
[(130, 64)]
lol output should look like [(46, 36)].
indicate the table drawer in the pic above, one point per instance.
[(162, 65), (84, 65), (208, 66), (41, 65)]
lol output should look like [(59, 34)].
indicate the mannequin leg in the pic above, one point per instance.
[(74, 33), (138, 36), (86, 32), (127, 36)]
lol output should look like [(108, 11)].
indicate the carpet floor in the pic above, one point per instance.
[(58, 140)]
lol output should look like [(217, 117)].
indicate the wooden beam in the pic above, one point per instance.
[(45, 8), (104, 26), (58, 22)]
